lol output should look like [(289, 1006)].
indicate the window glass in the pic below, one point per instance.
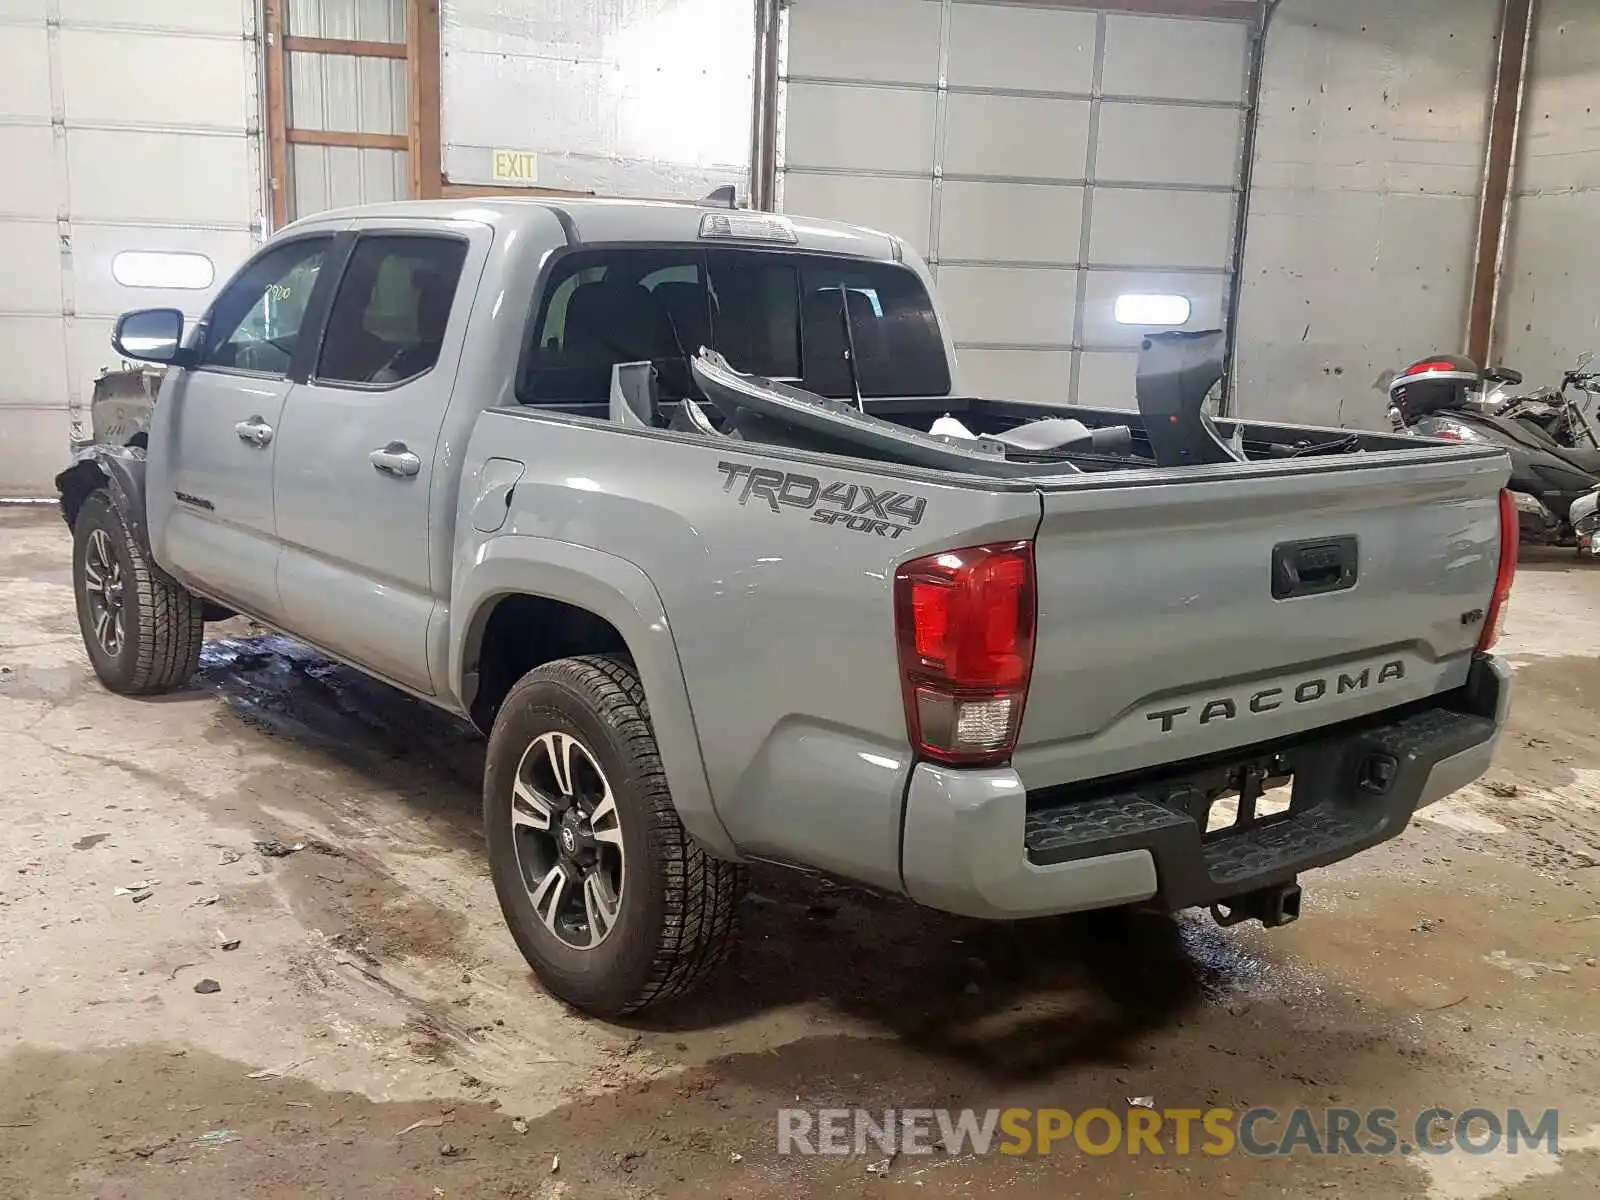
[(389, 315), (758, 310), (163, 269), (771, 313), (255, 324)]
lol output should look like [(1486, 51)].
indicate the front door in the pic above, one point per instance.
[(355, 468), (218, 421)]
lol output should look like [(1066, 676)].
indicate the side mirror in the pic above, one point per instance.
[(151, 335)]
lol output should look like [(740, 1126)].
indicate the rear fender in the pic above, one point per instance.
[(118, 469), (621, 594)]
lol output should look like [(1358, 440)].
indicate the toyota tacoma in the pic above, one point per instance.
[(684, 508)]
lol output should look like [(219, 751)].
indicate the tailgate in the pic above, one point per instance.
[(1160, 636)]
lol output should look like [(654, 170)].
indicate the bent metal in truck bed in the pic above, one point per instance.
[(685, 509)]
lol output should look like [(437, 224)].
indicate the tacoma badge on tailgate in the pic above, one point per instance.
[(1305, 691), (852, 506)]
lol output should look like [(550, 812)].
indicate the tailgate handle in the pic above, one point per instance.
[(1313, 568)]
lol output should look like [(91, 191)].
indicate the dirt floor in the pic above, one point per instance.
[(374, 1033)]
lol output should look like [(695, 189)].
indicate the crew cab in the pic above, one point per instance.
[(686, 510)]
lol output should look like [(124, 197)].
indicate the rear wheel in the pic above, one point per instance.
[(611, 902), (141, 629)]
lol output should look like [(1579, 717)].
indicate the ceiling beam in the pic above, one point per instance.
[(1494, 202)]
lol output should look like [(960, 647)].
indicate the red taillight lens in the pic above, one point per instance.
[(1510, 542), (1422, 368), (965, 622)]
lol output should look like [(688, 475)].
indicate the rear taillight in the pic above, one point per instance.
[(965, 622), (1429, 366), (1494, 621)]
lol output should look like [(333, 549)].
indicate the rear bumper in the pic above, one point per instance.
[(977, 843)]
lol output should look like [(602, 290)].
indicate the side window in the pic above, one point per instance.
[(389, 315), (255, 324)]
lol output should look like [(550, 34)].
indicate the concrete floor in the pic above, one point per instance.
[(377, 1035)]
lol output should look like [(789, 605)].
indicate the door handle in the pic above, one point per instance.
[(394, 459), (1314, 567), (254, 430)]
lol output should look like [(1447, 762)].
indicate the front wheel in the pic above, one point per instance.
[(141, 629), (611, 902)]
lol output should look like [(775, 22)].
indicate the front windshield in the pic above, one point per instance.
[(772, 313)]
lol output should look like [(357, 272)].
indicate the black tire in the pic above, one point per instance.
[(162, 624), (678, 910)]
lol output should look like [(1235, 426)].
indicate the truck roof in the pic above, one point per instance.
[(595, 220)]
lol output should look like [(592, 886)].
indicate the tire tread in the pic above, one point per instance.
[(164, 621), (702, 894)]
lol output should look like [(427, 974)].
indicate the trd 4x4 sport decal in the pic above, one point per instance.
[(852, 506)]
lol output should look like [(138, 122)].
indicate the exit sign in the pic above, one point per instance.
[(516, 167)]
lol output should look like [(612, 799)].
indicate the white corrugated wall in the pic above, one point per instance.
[(1550, 310), (124, 129), (620, 97)]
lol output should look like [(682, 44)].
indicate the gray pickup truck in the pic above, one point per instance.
[(684, 508)]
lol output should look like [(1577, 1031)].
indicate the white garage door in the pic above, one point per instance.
[(1071, 173), (132, 179)]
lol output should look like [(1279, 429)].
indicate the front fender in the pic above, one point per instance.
[(121, 471), (619, 592)]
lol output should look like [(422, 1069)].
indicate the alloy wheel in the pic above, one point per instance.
[(103, 587), (567, 834)]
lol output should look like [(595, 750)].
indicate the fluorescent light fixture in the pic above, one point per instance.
[(1144, 309), (163, 269)]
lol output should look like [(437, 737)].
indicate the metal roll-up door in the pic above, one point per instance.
[(1072, 174), (133, 179)]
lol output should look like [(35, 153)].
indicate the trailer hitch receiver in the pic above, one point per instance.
[(1273, 906)]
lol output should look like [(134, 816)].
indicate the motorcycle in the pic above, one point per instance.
[(1547, 409), (1585, 518), (1448, 396), (1556, 413)]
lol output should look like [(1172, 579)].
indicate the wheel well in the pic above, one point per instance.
[(524, 632), (77, 484)]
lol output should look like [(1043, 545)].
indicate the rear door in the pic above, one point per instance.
[(1196, 610), (222, 425), (356, 454)]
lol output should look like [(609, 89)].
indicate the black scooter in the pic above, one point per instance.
[(1434, 397)]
